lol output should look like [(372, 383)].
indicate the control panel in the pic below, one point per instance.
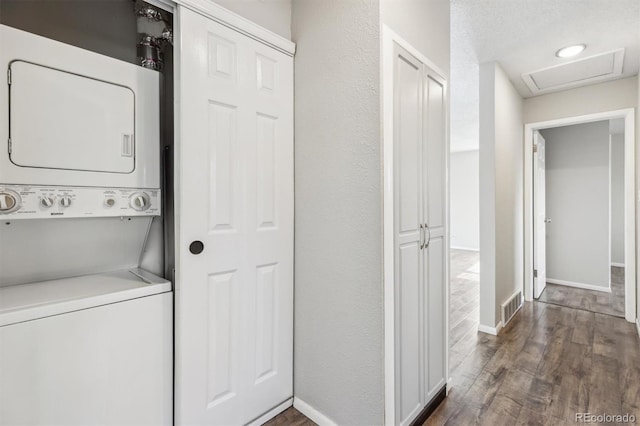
[(40, 202)]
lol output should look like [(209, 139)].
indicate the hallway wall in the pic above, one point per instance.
[(501, 192), (577, 201), (465, 200), (338, 340)]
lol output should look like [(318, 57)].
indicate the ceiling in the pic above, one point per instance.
[(523, 36)]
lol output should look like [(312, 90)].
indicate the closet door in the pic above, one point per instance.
[(435, 221), (408, 234), (234, 276)]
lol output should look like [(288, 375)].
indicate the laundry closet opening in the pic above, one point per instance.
[(86, 210)]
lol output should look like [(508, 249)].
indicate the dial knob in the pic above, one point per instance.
[(46, 201), (9, 201), (110, 202), (65, 201), (140, 201)]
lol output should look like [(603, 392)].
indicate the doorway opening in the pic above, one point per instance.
[(580, 213), (464, 253)]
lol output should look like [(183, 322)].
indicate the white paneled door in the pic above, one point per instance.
[(234, 294), (419, 152), (540, 216)]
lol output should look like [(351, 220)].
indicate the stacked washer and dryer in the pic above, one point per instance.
[(85, 317)]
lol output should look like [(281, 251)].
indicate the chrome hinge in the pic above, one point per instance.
[(9, 76), (9, 146), (535, 148), (535, 273)]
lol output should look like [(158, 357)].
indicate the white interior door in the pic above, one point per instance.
[(420, 247), (408, 235), (540, 217), (435, 245), (234, 300)]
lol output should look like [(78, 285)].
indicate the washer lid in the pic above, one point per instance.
[(26, 302), (61, 120)]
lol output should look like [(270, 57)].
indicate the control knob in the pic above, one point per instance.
[(9, 201), (140, 201), (46, 201), (65, 201)]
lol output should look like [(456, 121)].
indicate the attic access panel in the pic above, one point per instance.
[(604, 66), (61, 120)]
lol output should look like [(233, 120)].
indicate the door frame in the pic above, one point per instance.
[(628, 115), (389, 37)]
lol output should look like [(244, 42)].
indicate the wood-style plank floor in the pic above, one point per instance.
[(589, 300), (549, 363)]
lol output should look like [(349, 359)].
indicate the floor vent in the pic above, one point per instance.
[(510, 307)]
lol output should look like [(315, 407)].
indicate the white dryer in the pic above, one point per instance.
[(86, 334)]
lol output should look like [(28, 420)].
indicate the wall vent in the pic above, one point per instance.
[(600, 67), (510, 307)]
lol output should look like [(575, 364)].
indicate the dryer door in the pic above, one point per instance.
[(60, 120)]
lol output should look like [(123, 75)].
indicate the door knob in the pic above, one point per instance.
[(547, 220), (196, 247)]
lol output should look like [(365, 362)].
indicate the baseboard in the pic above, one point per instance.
[(463, 248), (579, 285), (430, 408), (490, 330), (271, 414), (313, 414), (617, 265)]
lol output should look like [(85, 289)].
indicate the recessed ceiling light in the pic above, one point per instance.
[(569, 51)]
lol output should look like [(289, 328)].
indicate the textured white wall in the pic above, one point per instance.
[(501, 191), (339, 353), (617, 199), (274, 15), (610, 96), (464, 200), (577, 195), (424, 24)]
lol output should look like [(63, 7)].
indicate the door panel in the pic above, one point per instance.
[(407, 233), (234, 301), (435, 160), (540, 217), (435, 302)]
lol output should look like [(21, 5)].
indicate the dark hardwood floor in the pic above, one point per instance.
[(589, 300), (290, 417), (549, 363)]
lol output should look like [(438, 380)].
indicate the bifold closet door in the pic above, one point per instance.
[(419, 150), (435, 221), (234, 293), (408, 235)]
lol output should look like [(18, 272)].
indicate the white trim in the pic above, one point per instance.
[(389, 37), (630, 206), (579, 285), (462, 150), (638, 326), (239, 23), (166, 5), (490, 330), (464, 248), (272, 413), (313, 414), (617, 265)]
